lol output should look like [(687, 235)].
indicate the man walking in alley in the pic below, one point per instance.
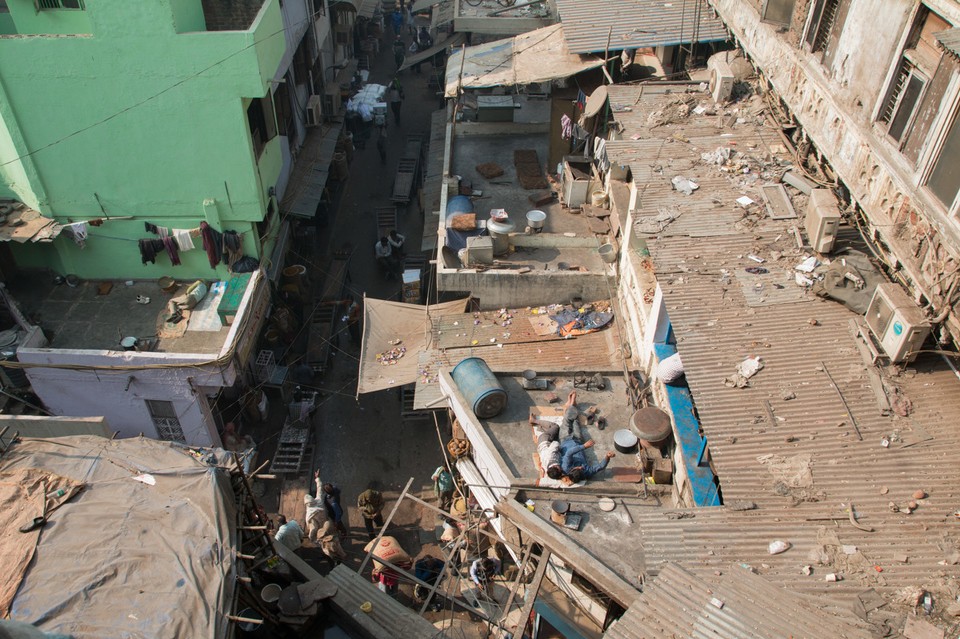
[(382, 147), (399, 52), (370, 503), (443, 487), (331, 501), (395, 97)]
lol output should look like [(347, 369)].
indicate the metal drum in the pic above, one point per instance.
[(480, 387), (652, 426)]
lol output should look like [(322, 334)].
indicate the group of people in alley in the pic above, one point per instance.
[(566, 458)]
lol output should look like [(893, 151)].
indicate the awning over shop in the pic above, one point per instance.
[(454, 41), (535, 56), (395, 326)]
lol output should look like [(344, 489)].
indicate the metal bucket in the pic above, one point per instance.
[(608, 253), (536, 219), (480, 387)]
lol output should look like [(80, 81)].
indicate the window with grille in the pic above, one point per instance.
[(778, 12), (821, 23), (165, 420), (903, 98), (944, 181), (43, 5)]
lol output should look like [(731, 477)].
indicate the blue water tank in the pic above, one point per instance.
[(480, 387)]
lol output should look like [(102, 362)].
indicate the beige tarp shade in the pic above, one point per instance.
[(453, 41), (22, 496), (148, 560), (385, 322), (535, 56)]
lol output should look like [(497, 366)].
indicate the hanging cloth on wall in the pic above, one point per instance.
[(232, 248), (171, 245), (566, 127), (77, 232), (211, 243), (183, 239), (149, 249), (600, 153)]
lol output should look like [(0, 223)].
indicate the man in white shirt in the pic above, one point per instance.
[(290, 534)]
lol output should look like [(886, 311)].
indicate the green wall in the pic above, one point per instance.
[(82, 105)]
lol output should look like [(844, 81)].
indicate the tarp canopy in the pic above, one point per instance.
[(453, 41), (535, 56), (423, 5), (144, 549), (398, 327)]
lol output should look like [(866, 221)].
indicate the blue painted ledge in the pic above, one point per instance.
[(692, 445)]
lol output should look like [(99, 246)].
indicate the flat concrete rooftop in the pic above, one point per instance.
[(605, 535), (556, 245), (513, 435), (79, 318)]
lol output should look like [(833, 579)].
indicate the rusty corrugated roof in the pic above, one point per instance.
[(734, 603), (590, 25), (786, 442)]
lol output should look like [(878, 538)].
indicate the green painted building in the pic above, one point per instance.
[(133, 112)]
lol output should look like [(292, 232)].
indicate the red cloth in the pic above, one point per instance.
[(210, 244), (171, 245)]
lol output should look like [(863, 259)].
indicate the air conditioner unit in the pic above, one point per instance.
[(332, 102), (314, 111), (896, 322), (823, 220), (721, 79)]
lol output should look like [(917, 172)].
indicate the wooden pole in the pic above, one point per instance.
[(531, 595)]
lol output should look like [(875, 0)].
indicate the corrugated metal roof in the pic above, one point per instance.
[(635, 24), (387, 619), (950, 41), (803, 467), (736, 603)]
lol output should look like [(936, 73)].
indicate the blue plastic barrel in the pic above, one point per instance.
[(459, 204), (480, 387)]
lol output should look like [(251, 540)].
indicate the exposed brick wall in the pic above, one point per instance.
[(230, 15)]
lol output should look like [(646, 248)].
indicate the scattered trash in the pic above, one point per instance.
[(758, 260), (885, 442), (719, 156), (849, 549), (744, 201), (833, 577), (919, 494), (802, 280), (808, 265), (685, 186), (777, 547), (756, 270), (716, 602), (807, 570), (145, 478), (745, 370)]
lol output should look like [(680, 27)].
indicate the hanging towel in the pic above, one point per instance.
[(600, 153), (232, 248), (77, 232), (183, 239), (149, 249), (171, 245), (211, 244), (566, 127)]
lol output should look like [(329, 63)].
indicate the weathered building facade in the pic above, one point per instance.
[(870, 91)]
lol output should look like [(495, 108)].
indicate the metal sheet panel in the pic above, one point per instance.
[(388, 618), (591, 25), (734, 603), (786, 442)]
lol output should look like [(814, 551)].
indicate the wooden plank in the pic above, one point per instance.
[(567, 549), (778, 202), (532, 591)]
